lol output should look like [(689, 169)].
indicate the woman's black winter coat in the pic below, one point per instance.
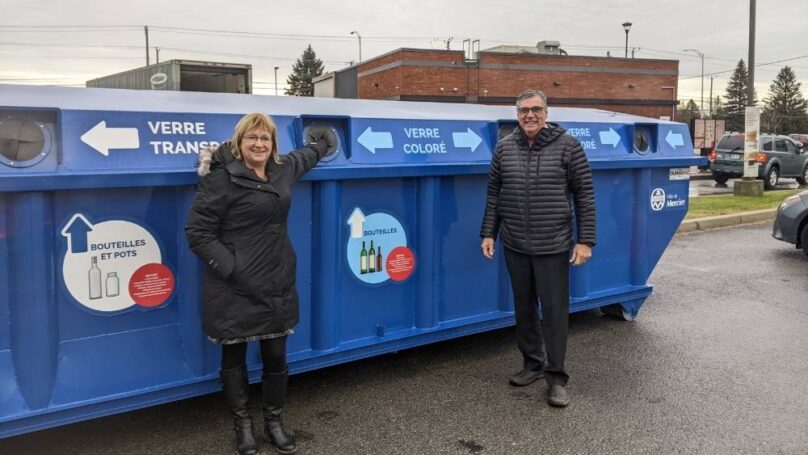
[(237, 226)]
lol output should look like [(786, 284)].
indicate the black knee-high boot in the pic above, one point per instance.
[(237, 392), (274, 389)]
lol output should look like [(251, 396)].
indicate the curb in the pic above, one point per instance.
[(721, 221), (701, 176)]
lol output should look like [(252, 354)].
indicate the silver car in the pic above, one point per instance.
[(779, 156), (791, 223)]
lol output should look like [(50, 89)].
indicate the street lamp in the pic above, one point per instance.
[(359, 37), (276, 81), (701, 56), (626, 27)]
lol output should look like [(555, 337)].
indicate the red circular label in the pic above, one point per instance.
[(400, 262), (151, 285)]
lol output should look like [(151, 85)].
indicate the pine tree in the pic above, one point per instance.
[(719, 111), (785, 107), (688, 112), (737, 99), (306, 68)]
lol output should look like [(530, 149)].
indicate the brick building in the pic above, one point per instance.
[(644, 87)]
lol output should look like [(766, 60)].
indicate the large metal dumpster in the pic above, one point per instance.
[(100, 296)]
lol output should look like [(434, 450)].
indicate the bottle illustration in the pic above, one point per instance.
[(371, 259), (113, 285), (95, 279), (363, 260), (379, 259)]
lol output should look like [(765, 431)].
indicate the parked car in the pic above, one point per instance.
[(791, 222), (778, 156), (803, 138)]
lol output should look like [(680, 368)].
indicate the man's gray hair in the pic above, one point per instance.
[(531, 93)]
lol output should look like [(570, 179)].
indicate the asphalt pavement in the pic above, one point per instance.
[(715, 363), (702, 184)]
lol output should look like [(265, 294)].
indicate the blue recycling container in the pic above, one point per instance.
[(100, 295)]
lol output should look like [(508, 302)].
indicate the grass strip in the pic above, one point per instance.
[(705, 206)]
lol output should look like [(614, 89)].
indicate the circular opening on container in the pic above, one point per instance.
[(158, 80), (642, 140), (332, 155), (23, 142), (506, 129)]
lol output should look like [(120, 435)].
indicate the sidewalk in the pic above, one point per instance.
[(721, 221)]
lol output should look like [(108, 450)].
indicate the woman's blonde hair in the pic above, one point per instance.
[(249, 122)]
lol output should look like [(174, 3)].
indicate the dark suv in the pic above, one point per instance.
[(779, 156)]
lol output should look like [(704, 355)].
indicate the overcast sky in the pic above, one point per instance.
[(69, 42)]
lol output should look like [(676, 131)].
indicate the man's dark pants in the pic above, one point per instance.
[(545, 277)]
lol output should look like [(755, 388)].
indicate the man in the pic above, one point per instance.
[(535, 171)]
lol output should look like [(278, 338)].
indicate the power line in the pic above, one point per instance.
[(71, 28), (756, 66), (286, 36), (71, 57), (230, 54), (81, 46)]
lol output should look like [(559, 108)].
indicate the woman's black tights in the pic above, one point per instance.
[(273, 355)]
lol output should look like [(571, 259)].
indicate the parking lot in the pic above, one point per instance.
[(715, 364), (704, 185)]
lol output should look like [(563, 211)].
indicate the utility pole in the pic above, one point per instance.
[(749, 185), (751, 81), (447, 41), (711, 96), (146, 29), (157, 52), (276, 81)]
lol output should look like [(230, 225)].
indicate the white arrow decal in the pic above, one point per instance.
[(356, 220), (103, 139), (674, 139), (75, 231), (610, 137), (467, 139), (373, 141)]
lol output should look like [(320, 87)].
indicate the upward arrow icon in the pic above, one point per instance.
[(356, 220), (76, 233)]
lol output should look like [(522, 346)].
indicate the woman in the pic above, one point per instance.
[(237, 226)]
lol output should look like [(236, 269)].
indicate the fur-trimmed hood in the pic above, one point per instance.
[(211, 158)]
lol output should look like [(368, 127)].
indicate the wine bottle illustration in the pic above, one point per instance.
[(113, 285), (371, 259), (379, 259), (95, 279), (363, 260)]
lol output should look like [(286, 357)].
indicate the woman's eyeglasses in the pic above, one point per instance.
[(252, 139)]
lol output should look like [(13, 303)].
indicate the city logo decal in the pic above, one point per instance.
[(661, 200), (657, 199)]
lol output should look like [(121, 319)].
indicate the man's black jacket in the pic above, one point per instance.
[(530, 191)]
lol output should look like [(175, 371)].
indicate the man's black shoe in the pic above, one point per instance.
[(558, 396), (525, 377)]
